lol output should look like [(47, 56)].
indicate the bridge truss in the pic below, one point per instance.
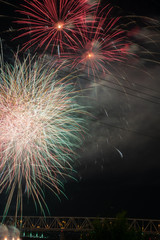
[(81, 224)]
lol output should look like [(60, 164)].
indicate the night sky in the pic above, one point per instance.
[(119, 163)]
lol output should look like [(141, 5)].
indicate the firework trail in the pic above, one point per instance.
[(52, 23), (40, 127)]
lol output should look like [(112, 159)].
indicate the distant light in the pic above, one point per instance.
[(5, 238)]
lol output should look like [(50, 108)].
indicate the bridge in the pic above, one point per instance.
[(77, 224)]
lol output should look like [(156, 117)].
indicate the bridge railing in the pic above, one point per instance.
[(47, 224)]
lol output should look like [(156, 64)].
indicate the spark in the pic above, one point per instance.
[(60, 25), (106, 112), (120, 153), (90, 55), (41, 125)]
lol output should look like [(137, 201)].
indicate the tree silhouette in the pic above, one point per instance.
[(115, 230)]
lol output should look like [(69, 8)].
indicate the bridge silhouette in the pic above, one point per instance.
[(77, 224)]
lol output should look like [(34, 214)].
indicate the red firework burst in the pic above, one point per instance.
[(101, 43), (51, 23)]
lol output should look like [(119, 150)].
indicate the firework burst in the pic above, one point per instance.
[(101, 43), (52, 23), (40, 127)]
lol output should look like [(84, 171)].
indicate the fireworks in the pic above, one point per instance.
[(102, 43), (52, 23), (89, 36), (41, 122), (40, 127)]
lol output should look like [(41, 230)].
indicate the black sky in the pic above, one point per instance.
[(119, 165)]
